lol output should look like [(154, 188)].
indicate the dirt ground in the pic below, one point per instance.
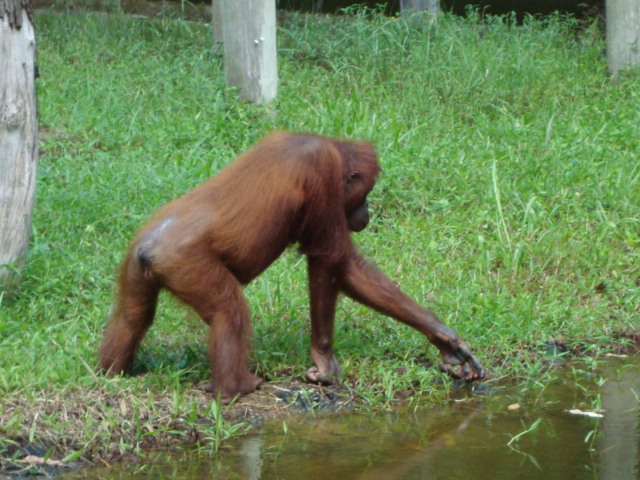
[(78, 415)]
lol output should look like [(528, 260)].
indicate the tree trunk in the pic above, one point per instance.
[(408, 7), (249, 38), (623, 35), (18, 135)]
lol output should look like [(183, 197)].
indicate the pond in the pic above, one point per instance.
[(579, 426)]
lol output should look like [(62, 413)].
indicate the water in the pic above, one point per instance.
[(510, 432)]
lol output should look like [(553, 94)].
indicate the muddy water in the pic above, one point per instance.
[(505, 432)]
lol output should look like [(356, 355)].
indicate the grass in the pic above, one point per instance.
[(509, 204)]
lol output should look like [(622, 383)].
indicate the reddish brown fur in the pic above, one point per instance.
[(208, 243)]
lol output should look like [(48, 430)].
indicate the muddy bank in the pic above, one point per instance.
[(105, 418), (78, 427)]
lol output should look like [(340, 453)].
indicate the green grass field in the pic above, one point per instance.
[(509, 204)]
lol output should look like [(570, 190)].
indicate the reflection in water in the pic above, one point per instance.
[(619, 445), (472, 438), (251, 450)]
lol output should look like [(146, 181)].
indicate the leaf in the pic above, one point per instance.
[(73, 456)]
